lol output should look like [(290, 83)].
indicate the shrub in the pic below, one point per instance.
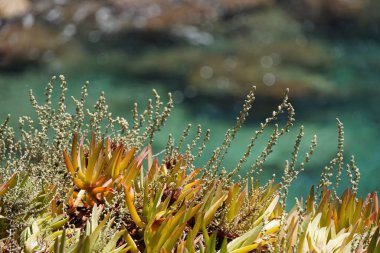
[(89, 182)]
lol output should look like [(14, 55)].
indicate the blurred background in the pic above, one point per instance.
[(209, 53)]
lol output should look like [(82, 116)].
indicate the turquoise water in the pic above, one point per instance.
[(344, 83)]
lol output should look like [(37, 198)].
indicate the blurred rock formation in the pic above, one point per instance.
[(219, 47), (20, 46), (13, 8)]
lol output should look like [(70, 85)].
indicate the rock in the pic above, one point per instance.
[(371, 14), (164, 14), (351, 16), (267, 49), (13, 8), (20, 46), (271, 52), (217, 78), (123, 15), (338, 8)]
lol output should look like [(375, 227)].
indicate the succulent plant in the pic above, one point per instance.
[(332, 225), (97, 170), (111, 194)]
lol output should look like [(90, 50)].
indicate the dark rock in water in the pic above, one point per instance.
[(218, 48), (13, 8), (165, 14), (339, 17), (20, 46), (337, 8), (266, 48), (120, 15), (272, 54)]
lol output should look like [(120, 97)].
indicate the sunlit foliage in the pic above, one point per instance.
[(89, 182)]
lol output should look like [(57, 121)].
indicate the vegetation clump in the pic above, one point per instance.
[(89, 182)]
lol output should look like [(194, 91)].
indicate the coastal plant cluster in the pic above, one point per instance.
[(86, 181)]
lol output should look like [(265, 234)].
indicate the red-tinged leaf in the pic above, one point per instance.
[(358, 210), (92, 159), (274, 188), (372, 218), (98, 168), (180, 178), (74, 151), (292, 231), (108, 183), (92, 143), (78, 197), (209, 215), (82, 156), (101, 181), (232, 192), (68, 163), (150, 158), (129, 198), (80, 183), (153, 170), (324, 201), (134, 168), (173, 239), (79, 173), (81, 142), (326, 216), (113, 168), (177, 166), (310, 201), (12, 181), (144, 153), (241, 197), (376, 205), (193, 193), (140, 158), (101, 190), (193, 175), (194, 210), (128, 157), (108, 146), (91, 199), (8, 184), (191, 185), (351, 209), (372, 245)]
